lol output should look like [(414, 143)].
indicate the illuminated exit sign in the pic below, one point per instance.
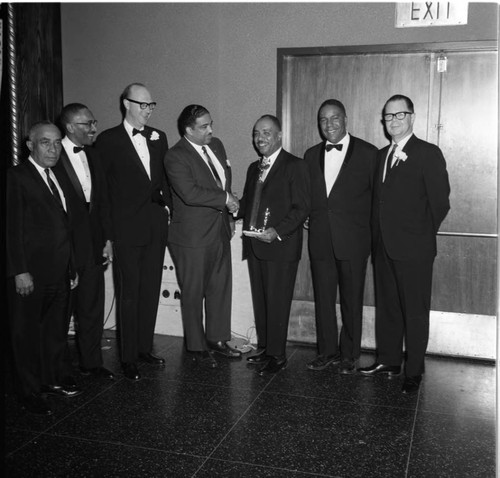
[(430, 14)]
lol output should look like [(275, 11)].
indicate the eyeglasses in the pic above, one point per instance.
[(89, 123), (143, 105), (399, 115)]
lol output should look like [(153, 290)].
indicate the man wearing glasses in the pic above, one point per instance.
[(132, 155), (93, 234), (411, 199)]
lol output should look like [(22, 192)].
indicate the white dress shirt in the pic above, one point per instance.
[(333, 162), (140, 145), (80, 165), (54, 179)]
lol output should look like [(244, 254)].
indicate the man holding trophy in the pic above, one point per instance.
[(275, 204)]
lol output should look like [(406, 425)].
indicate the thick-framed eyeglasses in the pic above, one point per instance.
[(89, 123), (399, 115), (143, 105)]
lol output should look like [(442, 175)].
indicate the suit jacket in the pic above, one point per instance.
[(137, 202), (410, 205), (199, 216), (94, 226), (286, 193), (340, 221), (38, 230)]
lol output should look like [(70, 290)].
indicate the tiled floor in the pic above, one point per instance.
[(182, 421)]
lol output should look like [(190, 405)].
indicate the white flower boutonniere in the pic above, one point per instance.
[(400, 155), (228, 163), (154, 136)]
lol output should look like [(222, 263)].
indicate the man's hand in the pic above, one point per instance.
[(269, 235), (232, 203), (107, 253), (24, 284)]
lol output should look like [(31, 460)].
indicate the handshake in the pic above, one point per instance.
[(232, 203)]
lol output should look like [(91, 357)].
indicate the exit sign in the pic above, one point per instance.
[(430, 14)]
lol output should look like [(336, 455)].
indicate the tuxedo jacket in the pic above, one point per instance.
[(137, 202), (94, 227), (286, 193), (199, 217), (38, 230), (339, 221), (410, 205)]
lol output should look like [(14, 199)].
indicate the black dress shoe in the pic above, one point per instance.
[(100, 372), (347, 367), (223, 349), (378, 368), (35, 403), (130, 371), (411, 384), (323, 361), (62, 390), (205, 359), (274, 365), (259, 358), (151, 359)]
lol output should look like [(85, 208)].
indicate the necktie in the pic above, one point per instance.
[(212, 167), (139, 131), (330, 146), (388, 167), (53, 187), (264, 164), (77, 149)]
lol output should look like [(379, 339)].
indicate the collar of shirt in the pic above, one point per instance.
[(401, 143), (216, 163), (129, 129), (344, 142), (273, 157), (52, 176), (68, 146)]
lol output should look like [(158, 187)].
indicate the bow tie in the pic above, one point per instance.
[(330, 146), (139, 131), (264, 164), (77, 149)]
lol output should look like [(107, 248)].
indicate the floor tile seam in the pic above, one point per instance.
[(454, 415), (230, 430), (256, 465), (87, 402), (354, 402), (118, 443), (412, 434), (37, 435)]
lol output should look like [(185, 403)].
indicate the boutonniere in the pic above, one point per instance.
[(228, 163), (400, 155), (154, 136)]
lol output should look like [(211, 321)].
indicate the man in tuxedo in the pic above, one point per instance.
[(199, 174), (40, 270), (411, 199), (93, 232), (275, 203), (342, 169), (132, 155)]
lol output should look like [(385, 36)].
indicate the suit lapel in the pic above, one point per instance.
[(126, 140), (274, 170), (72, 174)]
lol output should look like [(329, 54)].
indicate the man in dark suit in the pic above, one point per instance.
[(342, 170), (275, 202), (411, 199), (132, 155), (199, 174), (40, 270), (82, 165)]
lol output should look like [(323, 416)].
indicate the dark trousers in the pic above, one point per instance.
[(38, 325), (138, 273), (272, 285), (403, 299), (349, 276), (87, 306), (205, 278)]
